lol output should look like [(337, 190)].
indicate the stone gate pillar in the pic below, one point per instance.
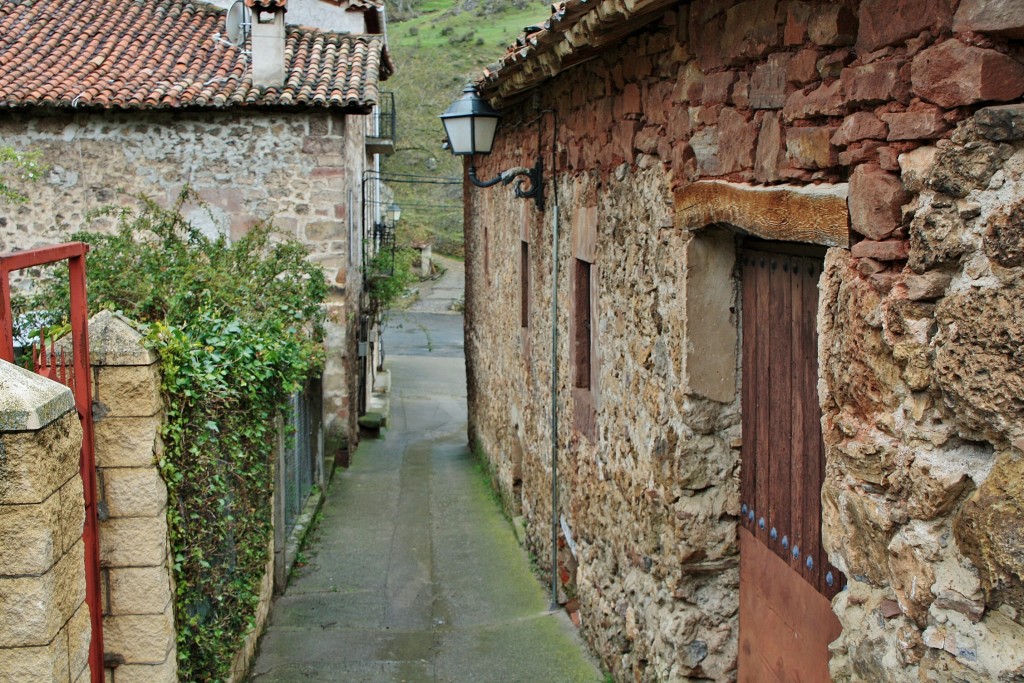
[(44, 621), (138, 622)]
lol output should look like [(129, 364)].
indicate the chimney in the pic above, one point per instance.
[(268, 37)]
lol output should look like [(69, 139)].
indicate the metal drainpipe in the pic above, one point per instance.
[(554, 370)]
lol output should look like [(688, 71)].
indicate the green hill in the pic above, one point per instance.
[(438, 45)]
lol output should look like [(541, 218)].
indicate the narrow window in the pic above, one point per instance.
[(487, 255), (581, 317), (524, 276)]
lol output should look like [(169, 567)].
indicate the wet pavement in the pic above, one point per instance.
[(415, 576)]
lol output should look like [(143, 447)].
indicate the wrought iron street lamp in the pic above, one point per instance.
[(394, 212), (470, 124)]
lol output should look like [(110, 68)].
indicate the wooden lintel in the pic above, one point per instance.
[(814, 214)]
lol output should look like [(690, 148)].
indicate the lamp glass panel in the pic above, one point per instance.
[(486, 126), (460, 134)]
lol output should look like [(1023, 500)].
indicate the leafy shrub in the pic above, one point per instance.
[(23, 166), (389, 274), (238, 328)]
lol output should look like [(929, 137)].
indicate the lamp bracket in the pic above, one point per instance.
[(534, 176)]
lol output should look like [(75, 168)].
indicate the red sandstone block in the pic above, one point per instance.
[(705, 116), (736, 140), (888, 250), (768, 84), (679, 124), (953, 74), (706, 37), (810, 147), (860, 152), (647, 139), (889, 158), (825, 100), (803, 67), (716, 87), (889, 22), (1003, 17), (874, 83), (795, 30), (739, 94), (769, 149), (659, 105), (832, 64), (925, 124), (624, 139), (832, 25), (860, 126), (875, 202), (629, 103), (751, 31)]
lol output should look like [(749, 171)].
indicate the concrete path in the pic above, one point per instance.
[(416, 576), (437, 296)]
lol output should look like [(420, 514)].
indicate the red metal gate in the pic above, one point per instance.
[(786, 581), (79, 380)]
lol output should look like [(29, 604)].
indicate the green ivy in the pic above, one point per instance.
[(238, 328)]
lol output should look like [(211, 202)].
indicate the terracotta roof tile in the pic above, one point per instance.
[(267, 4), (165, 54)]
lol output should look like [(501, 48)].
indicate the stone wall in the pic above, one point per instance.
[(44, 621), (303, 169), (921, 389), (918, 317)]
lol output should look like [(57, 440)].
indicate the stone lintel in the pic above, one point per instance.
[(29, 402), (815, 214)]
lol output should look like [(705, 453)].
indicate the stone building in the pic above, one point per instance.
[(125, 98), (789, 299)]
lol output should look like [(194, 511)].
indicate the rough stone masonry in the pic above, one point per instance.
[(913, 108)]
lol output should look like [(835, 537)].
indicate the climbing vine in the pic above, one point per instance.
[(238, 328)]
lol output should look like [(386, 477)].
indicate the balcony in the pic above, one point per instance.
[(380, 126)]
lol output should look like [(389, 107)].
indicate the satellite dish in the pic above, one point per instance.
[(237, 23)]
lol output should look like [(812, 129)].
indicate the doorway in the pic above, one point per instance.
[(786, 581)]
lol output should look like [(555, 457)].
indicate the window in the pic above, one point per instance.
[(487, 255), (524, 277), (582, 342)]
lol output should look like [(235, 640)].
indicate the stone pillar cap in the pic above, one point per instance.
[(29, 402), (113, 340)]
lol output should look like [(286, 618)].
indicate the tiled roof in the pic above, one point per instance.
[(167, 54), (363, 4), (575, 32), (266, 4)]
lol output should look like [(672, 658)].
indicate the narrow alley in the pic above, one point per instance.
[(415, 576)]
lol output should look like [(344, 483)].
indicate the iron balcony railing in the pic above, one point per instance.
[(381, 124)]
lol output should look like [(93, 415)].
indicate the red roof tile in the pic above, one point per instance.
[(165, 54), (266, 4)]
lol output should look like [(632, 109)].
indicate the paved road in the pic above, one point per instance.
[(437, 296), (416, 576)]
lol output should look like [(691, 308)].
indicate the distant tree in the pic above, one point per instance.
[(15, 165)]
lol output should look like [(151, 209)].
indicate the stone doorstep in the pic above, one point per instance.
[(382, 382), (380, 404)]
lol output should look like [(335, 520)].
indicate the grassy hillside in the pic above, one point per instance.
[(438, 45)]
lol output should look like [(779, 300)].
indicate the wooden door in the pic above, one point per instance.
[(786, 582)]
